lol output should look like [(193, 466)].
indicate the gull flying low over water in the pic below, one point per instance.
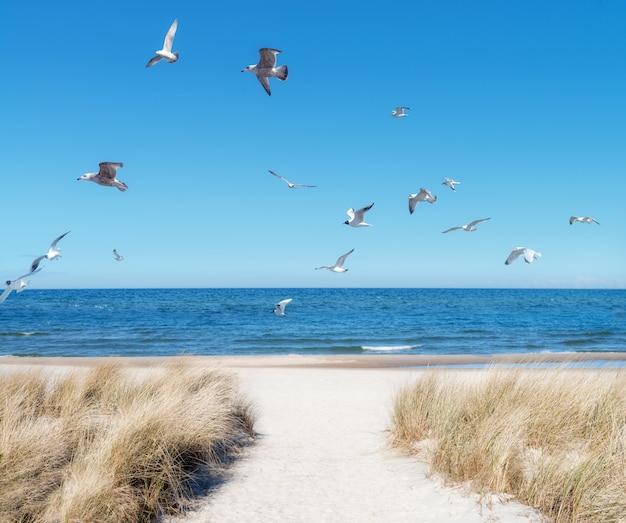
[(450, 183), (582, 219), (338, 267), (17, 285), (529, 255), (106, 175), (423, 196), (280, 307), (267, 68), (470, 227), (291, 185), (166, 52), (399, 112), (357, 218), (118, 256)]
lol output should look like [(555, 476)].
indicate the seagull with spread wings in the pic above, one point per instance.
[(106, 176), (291, 185), (423, 196), (529, 255), (266, 68), (166, 52), (470, 227), (583, 219), (399, 112), (338, 267), (357, 218), (279, 309)]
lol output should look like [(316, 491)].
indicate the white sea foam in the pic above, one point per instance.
[(389, 347)]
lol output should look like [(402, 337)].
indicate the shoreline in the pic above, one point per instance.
[(347, 361)]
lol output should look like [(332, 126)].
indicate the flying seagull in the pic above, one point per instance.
[(291, 185), (399, 112), (470, 227), (53, 253), (585, 219), (529, 255), (106, 176), (166, 52), (357, 218), (338, 267), (267, 67), (17, 285), (450, 183), (280, 307), (118, 256), (423, 196)]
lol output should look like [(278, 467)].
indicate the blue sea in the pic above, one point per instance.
[(160, 322)]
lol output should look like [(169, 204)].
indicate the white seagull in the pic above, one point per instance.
[(582, 219), (17, 285), (357, 218), (450, 183), (399, 112), (267, 67), (470, 227), (53, 252), (280, 307), (291, 185), (529, 255), (338, 267), (423, 196), (106, 175), (166, 52), (118, 256)]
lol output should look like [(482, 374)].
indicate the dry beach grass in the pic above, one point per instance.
[(101, 444), (555, 438)]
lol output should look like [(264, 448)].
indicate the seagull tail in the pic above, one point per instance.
[(282, 72)]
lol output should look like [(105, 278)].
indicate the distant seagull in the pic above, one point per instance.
[(291, 185), (529, 255), (106, 175), (399, 112), (17, 285), (450, 183), (166, 52), (267, 67), (470, 227), (280, 307), (53, 252), (423, 196), (338, 267), (357, 218), (585, 219), (118, 256)]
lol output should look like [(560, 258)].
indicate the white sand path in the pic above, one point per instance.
[(322, 456)]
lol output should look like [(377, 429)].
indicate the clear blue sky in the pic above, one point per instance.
[(523, 102)]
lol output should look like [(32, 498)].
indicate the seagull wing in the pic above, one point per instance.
[(36, 262), (5, 294), (53, 245), (342, 259), (514, 255), (279, 176), (471, 224), (573, 219), (302, 185), (153, 60), (412, 203), (268, 57), (350, 213), (265, 83), (282, 304), (169, 37), (108, 170), (530, 255), (360, 214), (452, 229)]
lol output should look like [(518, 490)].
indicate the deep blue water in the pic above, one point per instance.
[(144, 322)]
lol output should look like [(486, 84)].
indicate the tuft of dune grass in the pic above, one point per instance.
[(104, 445), (554, 438)]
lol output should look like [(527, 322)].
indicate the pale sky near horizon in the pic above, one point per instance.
[(523, 102)]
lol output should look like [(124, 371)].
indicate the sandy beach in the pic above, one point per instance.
[(322, 451)]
